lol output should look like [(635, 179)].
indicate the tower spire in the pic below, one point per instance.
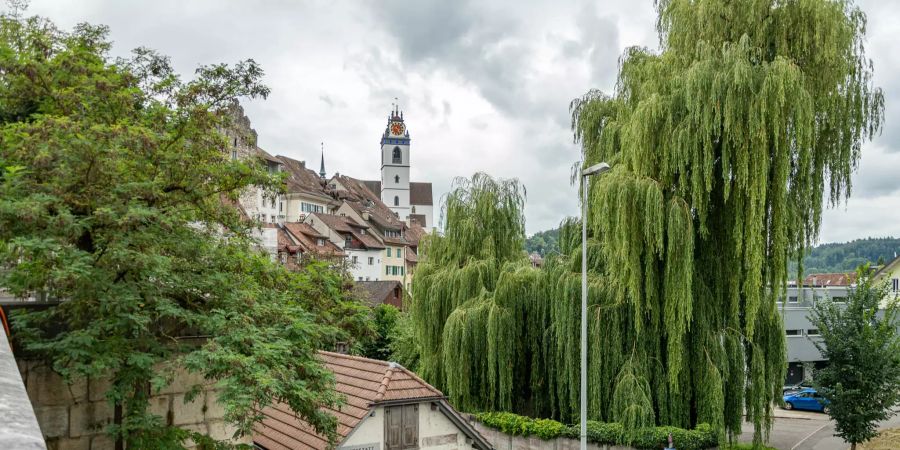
[(322, 169)]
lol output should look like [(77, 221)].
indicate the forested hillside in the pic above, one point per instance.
[(846, 256), (543, 242)]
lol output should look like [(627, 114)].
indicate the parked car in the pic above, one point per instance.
[(796, 387), (807, 399)]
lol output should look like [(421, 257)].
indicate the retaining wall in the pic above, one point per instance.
[(73, 417)]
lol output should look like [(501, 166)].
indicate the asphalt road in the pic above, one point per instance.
[(801, 430)]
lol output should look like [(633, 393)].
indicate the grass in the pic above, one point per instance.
[(886, 440)]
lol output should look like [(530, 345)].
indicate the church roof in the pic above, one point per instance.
[(419, 193)]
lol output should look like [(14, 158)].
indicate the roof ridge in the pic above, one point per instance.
[(384, 383), (354, 357)]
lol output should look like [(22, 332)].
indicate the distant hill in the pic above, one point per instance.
[(847, 256), (543, 242)]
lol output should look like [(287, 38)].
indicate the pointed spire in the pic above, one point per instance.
[(322, 169)]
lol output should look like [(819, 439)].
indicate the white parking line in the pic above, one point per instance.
[(808, 436)]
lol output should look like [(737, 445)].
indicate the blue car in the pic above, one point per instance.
[(807, 399)]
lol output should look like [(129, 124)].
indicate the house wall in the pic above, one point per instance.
[(428, 212), (394, 261), (891, 273), (74, 416), (436, 431), (362, 270), (293, 207)]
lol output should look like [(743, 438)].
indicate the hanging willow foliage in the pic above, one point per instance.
[(724, 146)]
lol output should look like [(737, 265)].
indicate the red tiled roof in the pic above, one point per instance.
[(830, 279), (302, 179), (308, 237), (419, 193), (414, 234), (363, 382), (343, 224)]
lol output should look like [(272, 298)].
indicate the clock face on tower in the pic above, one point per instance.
[(396, 128)]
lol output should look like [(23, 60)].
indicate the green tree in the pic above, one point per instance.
[(860, 340), (385, 320), (114, 186), (724, 147)]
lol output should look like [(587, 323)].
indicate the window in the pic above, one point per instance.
[(389, 252), (790, 333), (839, 299), (792, 299), (387, 270), (235, 143), (371, 261), (354, 259), (895, 284), (812, 332), (367, 278), (397, 179), (273, 202), (398, 156), (396, 201), (348, 241), (360, 278), (280, 206), (234, 154), (273, 219), (401, 270), (399, 255), (320, 242), (311, 208), (401, 427)]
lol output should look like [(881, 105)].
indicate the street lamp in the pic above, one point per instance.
[(586, 175)]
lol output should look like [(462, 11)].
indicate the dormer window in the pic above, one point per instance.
[(398, 156), (320, 242)]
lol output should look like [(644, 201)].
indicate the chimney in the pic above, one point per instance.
[(365, 215)]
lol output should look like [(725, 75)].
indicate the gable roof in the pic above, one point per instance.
[(886, 268), (830, 279), (301, 179), (419, 193), (375, 292), (347, 225), (307, 237), (363, 382)]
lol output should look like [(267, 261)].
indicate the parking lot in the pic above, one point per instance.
[(802, 430)]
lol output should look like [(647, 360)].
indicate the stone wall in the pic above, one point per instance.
[(503, 441), (73, 417)]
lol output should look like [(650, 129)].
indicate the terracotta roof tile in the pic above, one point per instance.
[(830, 279), (363, 382)]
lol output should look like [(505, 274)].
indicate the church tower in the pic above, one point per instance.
[(395, 164)]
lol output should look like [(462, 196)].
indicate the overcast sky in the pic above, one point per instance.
[(484, 86)]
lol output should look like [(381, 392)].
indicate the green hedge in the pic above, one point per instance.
[(702, 437)]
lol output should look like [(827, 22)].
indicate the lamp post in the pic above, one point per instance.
[(586, 175)]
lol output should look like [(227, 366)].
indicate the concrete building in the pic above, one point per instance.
[(800, 334), (387, 408)]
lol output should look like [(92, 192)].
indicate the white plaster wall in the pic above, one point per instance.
[(293, 208), (435, 431), (362, 269), (428, 212)]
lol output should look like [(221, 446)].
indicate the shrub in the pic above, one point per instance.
[(702, 437)]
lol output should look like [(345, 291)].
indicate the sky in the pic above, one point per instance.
[(484, 86)]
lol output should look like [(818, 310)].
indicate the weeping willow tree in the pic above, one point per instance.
[(724, 145)]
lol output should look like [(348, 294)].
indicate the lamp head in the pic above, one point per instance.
[(595, 169)]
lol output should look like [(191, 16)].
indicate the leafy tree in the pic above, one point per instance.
[(379, 345), (114, 186), (724, 146), (847, 256), (543, 243), (860, 340), (404, 344)]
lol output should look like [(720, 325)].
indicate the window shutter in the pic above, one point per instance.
[(410, 427), (393, 419)]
